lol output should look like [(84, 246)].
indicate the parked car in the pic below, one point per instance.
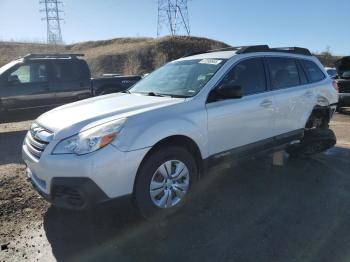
[(41, 80), (343, 81), (332, 72), (157, 139)]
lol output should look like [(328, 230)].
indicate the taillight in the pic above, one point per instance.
[(335, 85)]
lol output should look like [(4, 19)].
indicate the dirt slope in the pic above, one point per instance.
[(120, 55)]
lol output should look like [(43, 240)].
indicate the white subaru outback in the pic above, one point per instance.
[(154, 140)]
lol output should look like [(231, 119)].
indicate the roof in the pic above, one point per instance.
[(226, 53)]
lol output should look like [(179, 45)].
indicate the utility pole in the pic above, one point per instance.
[(52, 10), (173, 14)]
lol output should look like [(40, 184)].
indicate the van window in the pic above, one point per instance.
[(249, 74), (313, 71), (283, 72)]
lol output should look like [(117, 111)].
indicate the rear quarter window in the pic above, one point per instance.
[(314, 73)]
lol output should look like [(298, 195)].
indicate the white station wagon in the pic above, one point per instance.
[(155, 140)]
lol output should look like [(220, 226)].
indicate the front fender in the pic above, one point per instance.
[(135, 137)]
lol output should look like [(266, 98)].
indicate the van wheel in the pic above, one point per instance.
[(315, 141), (163, 182)]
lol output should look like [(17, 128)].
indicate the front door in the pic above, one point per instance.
[(27, 86), (240, 124)]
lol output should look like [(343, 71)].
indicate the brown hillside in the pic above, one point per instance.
[(121, 55), (127, 55)]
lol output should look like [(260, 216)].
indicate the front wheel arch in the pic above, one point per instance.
[(178, 140)]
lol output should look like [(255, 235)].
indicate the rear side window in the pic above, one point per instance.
[(249, 74), (313, 71), (283, 72), (67, 71)]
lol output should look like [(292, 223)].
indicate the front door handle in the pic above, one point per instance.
[(266, 103)]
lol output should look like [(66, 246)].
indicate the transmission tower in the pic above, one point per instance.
[(52, 10), (173, 14)]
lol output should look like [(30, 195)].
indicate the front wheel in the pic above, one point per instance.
[(164, 181)]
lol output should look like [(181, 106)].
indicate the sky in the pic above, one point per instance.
[(315, 24)]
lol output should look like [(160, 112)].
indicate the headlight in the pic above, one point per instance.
[(90, 140)]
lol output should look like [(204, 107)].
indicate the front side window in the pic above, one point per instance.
[(180, 78), (30, 73), (314, 72), (283, 72), (249, 75)]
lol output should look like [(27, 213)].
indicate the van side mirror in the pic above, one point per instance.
[(230, 91), (13, 79)]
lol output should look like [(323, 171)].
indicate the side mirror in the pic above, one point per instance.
[(13, 79), (230, 91)]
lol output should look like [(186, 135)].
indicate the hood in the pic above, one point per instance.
[(72, 118)]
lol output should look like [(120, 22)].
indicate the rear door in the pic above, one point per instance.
[(234, 123), (294, 97), (27, 86), (70, 80)]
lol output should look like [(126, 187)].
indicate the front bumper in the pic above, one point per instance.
[(70, 192), (77, 182), (344, 100)]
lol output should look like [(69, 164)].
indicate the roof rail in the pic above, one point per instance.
[(293, 50), (253, 49), (52, 55), (258, 48)]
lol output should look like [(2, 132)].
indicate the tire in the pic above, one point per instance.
[(315, 141), (154, 208)]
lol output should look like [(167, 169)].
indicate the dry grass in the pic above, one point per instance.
[(127, 55), (120, 55)]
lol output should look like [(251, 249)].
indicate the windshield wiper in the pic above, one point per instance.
[(161, 95), (150, 94), (126, 91)]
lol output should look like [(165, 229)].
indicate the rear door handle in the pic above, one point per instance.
[(266, 103), (308, 94)]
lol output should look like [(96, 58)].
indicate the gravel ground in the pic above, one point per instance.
[(298, 212)]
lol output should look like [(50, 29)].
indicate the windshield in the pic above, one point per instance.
[(180, 78), (7, 66)]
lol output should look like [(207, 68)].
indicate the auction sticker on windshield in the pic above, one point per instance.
[(210, 61)]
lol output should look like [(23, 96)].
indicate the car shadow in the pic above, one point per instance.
[(251, 212), (11, 146)]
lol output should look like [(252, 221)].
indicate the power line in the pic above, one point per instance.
[(173, 14), (52, 10)]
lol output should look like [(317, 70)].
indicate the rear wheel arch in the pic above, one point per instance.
[(320, 117)]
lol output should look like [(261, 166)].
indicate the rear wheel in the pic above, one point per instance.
[(164, 181), (314, 141)]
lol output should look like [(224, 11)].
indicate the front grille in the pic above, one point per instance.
[(37, 140)]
